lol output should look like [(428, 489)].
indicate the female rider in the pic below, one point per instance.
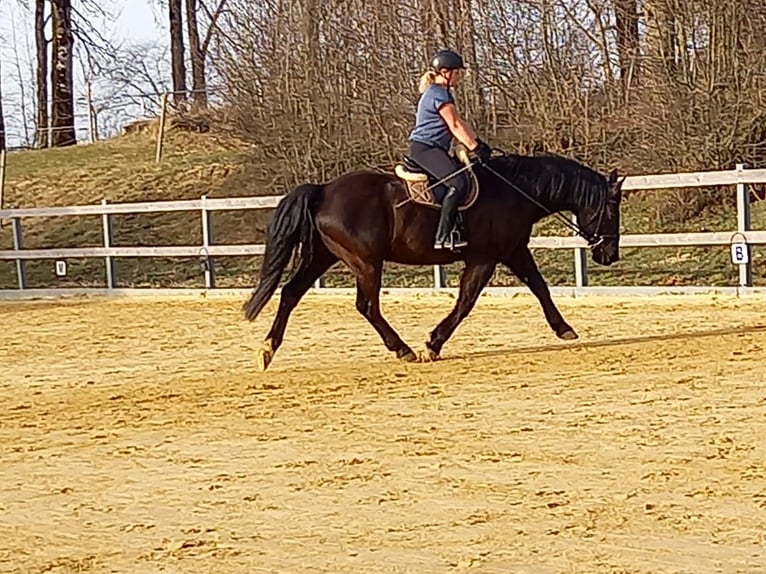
[(437, 122)]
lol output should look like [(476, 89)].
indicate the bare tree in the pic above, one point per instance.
[(2, 113), (198, 49), (319, 87), (41, 45), (62, 88), (197, 57), (177, 51), (139, 70), (626, 20), (23, 81), (90, 70), (121, 84), (661, 40), (133, 78)]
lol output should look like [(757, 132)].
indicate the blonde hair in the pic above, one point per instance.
[(426, 80)]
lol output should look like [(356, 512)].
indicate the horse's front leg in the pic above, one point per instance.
[(473, 279), (524, 267)]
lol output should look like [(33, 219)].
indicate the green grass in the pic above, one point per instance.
[(123, 170)]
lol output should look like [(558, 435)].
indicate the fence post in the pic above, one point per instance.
[(161, 129), (106, 226), (18, 245), (207, 239), (743, 226), (440, 277), (580, 262)]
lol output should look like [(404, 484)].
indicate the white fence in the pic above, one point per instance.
[(207, 251)]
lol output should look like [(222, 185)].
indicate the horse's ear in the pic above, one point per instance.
[(612, 179)]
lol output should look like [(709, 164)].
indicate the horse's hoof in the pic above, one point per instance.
[(429, 355), (568, 334), (265, 355), (409, 357)]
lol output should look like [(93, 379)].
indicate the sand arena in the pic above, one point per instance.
[(138, 436)]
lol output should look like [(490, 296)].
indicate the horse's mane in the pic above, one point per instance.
[(554, 179)]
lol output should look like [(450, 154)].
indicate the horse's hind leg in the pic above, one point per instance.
[(523, 265), (473, 279), (308, 272)]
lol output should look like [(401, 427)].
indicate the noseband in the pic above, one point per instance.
[(598, 238)]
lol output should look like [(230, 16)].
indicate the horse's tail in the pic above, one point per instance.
[(291, 223)]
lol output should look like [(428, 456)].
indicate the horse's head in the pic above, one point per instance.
[(601, 222)]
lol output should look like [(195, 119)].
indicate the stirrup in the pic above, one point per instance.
[(455, 241), (452, 242)]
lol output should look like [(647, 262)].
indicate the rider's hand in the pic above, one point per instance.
[(482, 152)]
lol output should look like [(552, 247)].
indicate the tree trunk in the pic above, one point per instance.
[(661, 39), (467, 34), (310, 26), (2, 115), (197, 56), (62, 92), (626, 19), (92, 113), (433, 25), (177, 52), (41, 47)]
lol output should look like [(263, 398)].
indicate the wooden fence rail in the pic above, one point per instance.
[(207, 251)]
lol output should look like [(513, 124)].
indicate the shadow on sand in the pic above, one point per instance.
[(617, 342)]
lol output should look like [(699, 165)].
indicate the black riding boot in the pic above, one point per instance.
[(446, 234)]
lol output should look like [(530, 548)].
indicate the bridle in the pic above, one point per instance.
[(593, 240), (598, 238)]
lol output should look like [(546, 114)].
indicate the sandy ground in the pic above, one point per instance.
[(136, 436)]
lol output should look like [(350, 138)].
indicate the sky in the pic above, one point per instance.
[(135, 20)]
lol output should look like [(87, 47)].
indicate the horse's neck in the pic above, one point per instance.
[(553, 195), (546, 196)]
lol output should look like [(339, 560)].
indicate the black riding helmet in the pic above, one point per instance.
[(447, 59)]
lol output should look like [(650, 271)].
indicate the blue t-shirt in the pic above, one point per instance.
[(430, 128)]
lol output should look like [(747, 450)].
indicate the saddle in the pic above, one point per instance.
[(416, 181)]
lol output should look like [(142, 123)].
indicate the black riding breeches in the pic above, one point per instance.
[(439, 164)]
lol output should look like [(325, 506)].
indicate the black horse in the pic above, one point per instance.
[(364, 218)]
